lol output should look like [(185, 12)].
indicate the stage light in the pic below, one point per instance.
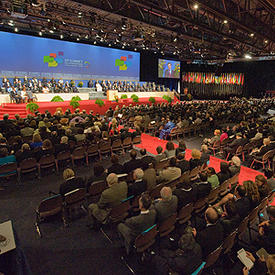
[(110, 45), (247, 56), (196, 6), (135, 49), (77, 38), (123, 47), (114, 30), (51, 31), (225, 21), (49, 20), (95, 42), (175, 39), (61, 36), (252, 34), (16, 29), (86, 36), (40, 33), (266, 41)]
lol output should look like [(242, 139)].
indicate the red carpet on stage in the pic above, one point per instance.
[(88, 105)]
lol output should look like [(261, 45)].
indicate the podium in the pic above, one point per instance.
[(111, 94)]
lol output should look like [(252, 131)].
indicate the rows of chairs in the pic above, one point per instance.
[(80, 152)]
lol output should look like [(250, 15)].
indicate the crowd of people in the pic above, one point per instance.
[(239, 121), (22, 90)]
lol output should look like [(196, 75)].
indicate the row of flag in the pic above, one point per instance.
[(211, 78)]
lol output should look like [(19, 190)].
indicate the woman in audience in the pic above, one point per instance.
[(212, 177), (70, 182), (231, 218), (214, 139), (235, 166), (5, 157), (252, 193), (24, 153), (46, 149), (36, 141), (195, 160), (170, 150), (181, 149), (261, 182), (160, 155), (224, 174)]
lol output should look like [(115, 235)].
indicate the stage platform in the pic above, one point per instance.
[(88, 105), (86, 94)]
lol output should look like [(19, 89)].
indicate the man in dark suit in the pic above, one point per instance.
[(132, 164), (169, 72), (182, 163), (134, 226), (115, 167), (166, 205), (186, 192), (211, 236), (139, 185), (231, 147), (146, 159), (110, 197)]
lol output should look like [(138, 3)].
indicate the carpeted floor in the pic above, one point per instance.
[(74, 250)]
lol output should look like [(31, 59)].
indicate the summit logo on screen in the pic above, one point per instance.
[(123, 63), (53, 59)]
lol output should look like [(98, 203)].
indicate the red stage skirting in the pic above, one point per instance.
[(88, 105)]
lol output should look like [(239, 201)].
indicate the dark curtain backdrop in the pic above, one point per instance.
[(259, 76)]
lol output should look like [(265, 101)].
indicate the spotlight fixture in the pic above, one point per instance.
[(77, 38), (252, 34), (61, 36), (135, 49), (51, 31), (16, 29), (175, 39), (266, 41), (196, 6), (40, 33), (247, 56), (225, 21), (95, 42)]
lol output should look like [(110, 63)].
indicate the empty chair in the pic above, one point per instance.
[(229, 242), (78, 154), (92, 151), (213, 257), (48, 207), (146, 239), (167, 226), (96, 188), (62, 157), (8, 170), (104, 148), (137, 140), (117, 146), (127, 143), (72, 200), (27, 166), (185, 213), (46, 161)]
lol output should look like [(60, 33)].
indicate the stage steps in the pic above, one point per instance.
[(13, 109)]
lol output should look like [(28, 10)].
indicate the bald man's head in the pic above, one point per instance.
[(166, 193), (211, 215)]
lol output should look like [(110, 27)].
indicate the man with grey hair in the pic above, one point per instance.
[(139, 185), (110, 197), (166, 205)]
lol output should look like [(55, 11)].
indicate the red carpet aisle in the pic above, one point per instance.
[(151, 143), (88, 105)]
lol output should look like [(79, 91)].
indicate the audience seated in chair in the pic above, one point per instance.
[(71, 182), (98, 175), (235, 166), (270, 179), (211, 236), (195, 160), (160, 156), (182, 163), (205, 154), (132, 164), (166, 205), (139, 185), (212, 177), (134, 226), (181, 149), (98, 212), (150, 176), (116, 167), (263, 188), (170, 150), (203, 186), (146, 159), (225, 173), (170, 173)]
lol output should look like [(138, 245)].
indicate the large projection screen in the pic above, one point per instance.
[(23, 55)]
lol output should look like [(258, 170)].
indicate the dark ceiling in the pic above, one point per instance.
[(202, 29)]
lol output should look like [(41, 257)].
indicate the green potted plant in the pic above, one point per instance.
[(99, 102), (76, 98), (74, 104), (134, 98), (80, 84), (152, 100), (124, 96), (57, 98), (167, 98), (32, 107)]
